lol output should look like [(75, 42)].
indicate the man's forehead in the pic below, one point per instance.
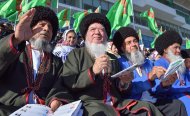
[(95, 24), (44, 21)]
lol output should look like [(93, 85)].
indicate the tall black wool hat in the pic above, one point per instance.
[(45, 13), (166, 39), (121, 34), (94, 18), (185, 53)]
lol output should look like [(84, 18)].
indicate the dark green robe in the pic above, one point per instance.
[(13, 77), (77, 76)]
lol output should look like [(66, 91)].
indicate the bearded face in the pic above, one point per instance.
[(41, 44), (172, 57), (136, 56), (95, 50)]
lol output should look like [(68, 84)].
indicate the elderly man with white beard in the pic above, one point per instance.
[(28, 69), (168, 46), (86, 73), (127, 42)]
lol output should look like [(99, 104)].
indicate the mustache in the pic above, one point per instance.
[(44, 33)]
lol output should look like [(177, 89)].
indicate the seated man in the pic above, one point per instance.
[(87, 73), (127, 42), (28, 70), (168, 46)]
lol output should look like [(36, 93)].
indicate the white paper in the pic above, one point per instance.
[(71, 109), (173, 67), (131, 68)]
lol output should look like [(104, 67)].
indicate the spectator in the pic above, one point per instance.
[(28, 70)]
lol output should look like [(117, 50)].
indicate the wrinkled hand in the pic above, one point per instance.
[(101, 63), (127, 77), (157, 72), (23, 30), (54, 105), (170, 79)]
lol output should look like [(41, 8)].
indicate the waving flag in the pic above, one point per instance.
[(64, 18), (78, 17)]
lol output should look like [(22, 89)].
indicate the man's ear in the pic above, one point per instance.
[(165, 51)]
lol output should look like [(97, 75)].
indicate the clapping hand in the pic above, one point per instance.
[(169, 80), (102, 63), (157, 72)]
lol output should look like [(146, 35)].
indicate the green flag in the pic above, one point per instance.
[(78, 17), (2, 3), (187, 44), (126, 20), (149, 16), (129, 8), (33, 3), (119, 14), (8, 8), (64, 18), (52, 3), (13, 17), (114, 15)]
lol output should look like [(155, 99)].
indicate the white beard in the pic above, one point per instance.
[(172, 58), (136, 57), (41, 44), (96, 50)]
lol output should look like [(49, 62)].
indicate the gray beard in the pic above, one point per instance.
[(136, 57), (41, 44), (96, 50), (172, 57)]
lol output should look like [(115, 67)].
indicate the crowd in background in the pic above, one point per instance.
[(39, 65)]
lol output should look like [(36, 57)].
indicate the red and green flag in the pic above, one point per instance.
[(115, 14), (127, 12), (64, 18), (52, 3), (78, 18), (149, 16), (119, 14), (33, 3)]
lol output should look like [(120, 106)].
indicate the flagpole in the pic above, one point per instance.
[(57, 5), (70, 17), (133, 15), (15, 22)]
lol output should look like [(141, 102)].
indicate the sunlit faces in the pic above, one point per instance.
[(43, 30), (175, 49), (96, 33), (130, 44)]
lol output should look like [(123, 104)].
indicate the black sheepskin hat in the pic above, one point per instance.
[(45, 13), (185, 53), (166, 39), (94, 18), (121, 34)]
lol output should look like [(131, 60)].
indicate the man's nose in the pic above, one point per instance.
[(46, 27)]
